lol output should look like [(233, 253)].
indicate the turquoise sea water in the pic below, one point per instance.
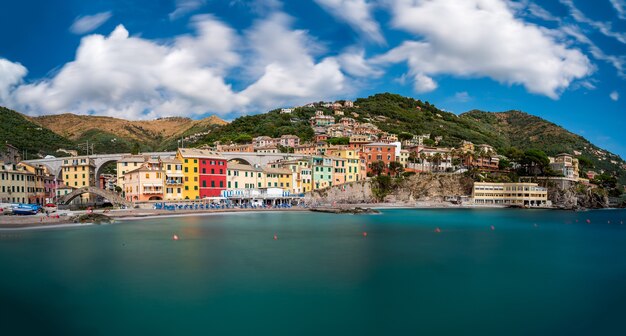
[(537, 272)]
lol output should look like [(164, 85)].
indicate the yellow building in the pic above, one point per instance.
[(352, 164), (521, 194), (78, 173), (15, 182), (191, 175), (244, 176), (279, 178), (173, 179), (302, 174), (126, 164), (403, 158)]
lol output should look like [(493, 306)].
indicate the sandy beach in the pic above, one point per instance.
[(42, 221)]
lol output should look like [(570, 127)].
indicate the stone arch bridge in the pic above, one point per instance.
[(109, 195)]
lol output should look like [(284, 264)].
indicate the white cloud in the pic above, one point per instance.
[(357, 14), (618, 62), (128, 76), (354, 63), (184, 7), (462, 97), (88, 23), (125, 76), (290, 74), (614, 96), (493, 44), (11, 74), (605, 28), (620, 8)]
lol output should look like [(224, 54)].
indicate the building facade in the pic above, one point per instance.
[(518, 194)]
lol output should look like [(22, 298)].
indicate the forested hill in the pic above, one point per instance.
[(390, 112), (32, 139), (397, 114)]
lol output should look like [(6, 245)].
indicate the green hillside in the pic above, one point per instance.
[(28, 136), (397, 114)]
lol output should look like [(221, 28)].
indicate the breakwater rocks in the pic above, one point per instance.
[(353, 211), (93, 218)]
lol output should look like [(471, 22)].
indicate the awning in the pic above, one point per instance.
[(175, 175)]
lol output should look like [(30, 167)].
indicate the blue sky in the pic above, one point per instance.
[(563, 60)]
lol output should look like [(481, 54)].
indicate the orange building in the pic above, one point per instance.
[(378, 151)]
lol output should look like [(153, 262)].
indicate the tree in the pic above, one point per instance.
[(395, 168), (136, 148), (504, 164), (243, 138), (405, 136), (339, 141), (377, 167), (437, 159), (535, 161)]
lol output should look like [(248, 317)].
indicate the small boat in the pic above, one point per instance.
[(26, 209)]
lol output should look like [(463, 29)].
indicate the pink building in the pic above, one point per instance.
[(144, 183), (289, 140)]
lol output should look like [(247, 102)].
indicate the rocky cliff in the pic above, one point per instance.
[(421, 187), (571, 195)]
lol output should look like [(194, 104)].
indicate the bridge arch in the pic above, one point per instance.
[(111, 196), (240, 160)]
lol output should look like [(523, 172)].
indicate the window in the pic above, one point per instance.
[(195, 169), (212, 184), (195, 188), (203, 170), (203, 184), (186, 161), (228, 184), (221, 171), (213, 171), (147, 175), (186, 187), (186, 169)]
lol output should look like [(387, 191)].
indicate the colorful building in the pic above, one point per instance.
[(245, 176), (144, 183), (378, 151), (521, 194), (339, 170), (15, 182), (173, 179), (322, 172), (204, 172), (353, 162), (78, 173), (126, 164), (278, 178)]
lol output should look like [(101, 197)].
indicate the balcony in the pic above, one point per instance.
[(174, 182)]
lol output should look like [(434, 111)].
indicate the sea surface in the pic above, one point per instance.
[(415, 272)]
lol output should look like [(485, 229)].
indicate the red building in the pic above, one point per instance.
[(378, 151), (212, 172)]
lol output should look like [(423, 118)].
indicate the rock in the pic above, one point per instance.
[(354, 211), (93, 218)]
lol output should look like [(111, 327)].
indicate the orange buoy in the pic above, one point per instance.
[(493, 228), (437, 230), (175, 237), (275, 237), (364, 234)]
